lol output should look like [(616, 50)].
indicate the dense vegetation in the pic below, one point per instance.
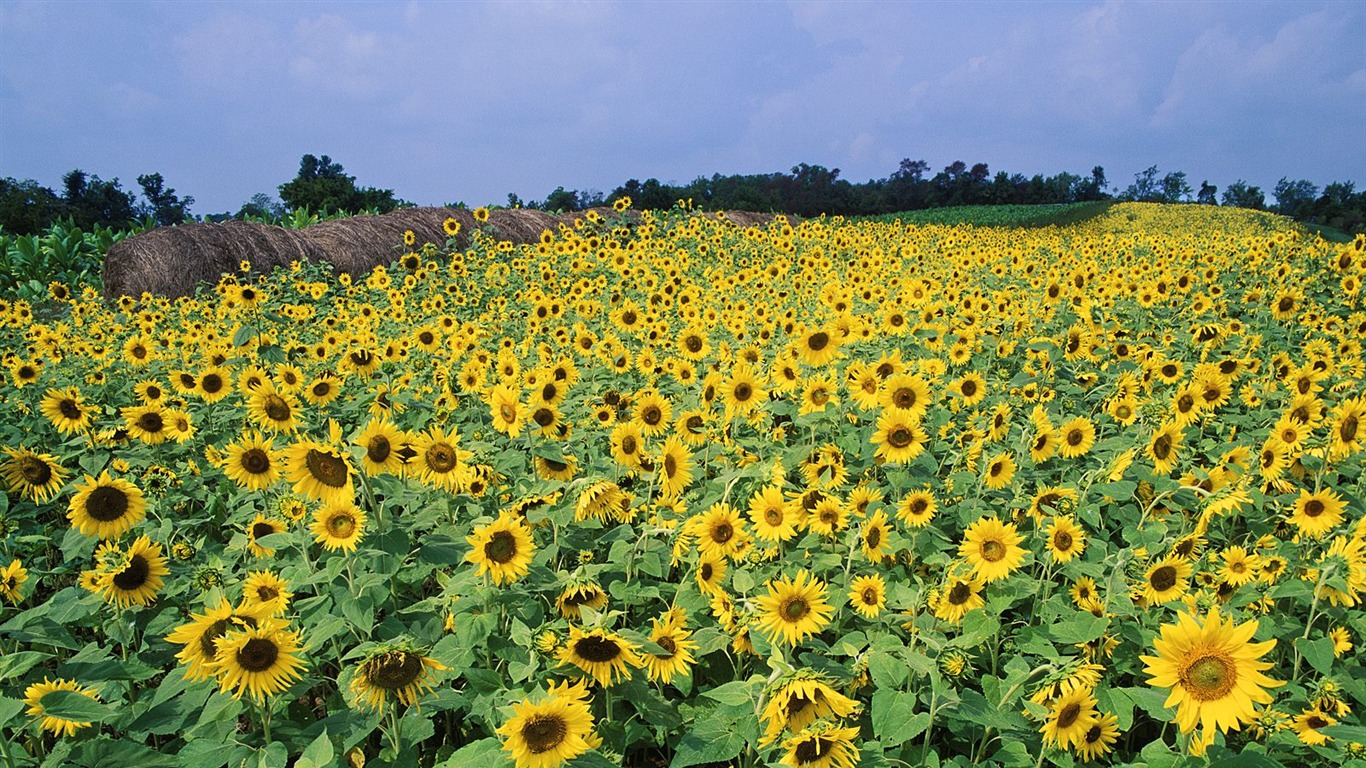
[(833, 493)]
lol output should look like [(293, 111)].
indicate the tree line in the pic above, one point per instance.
[(322, 186)]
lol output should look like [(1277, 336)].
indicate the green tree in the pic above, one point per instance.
[(324, 186), (91, 201), (1240, 194), (26, 207), (163, 204), (1293, 198)]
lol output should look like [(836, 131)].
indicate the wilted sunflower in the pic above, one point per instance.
[(992, 548), (135, 575), (1213, 670), (793, 609), (260, 661), (199, 634), (266, 590), (503, 549), (800, 699), (107, 507), (822, 745), (604, 655), (580, 595), (66, 410), (12, 578), (59, 726), (868, 595), (319, 471), (549, 733), (393, 669), (252, 462), (338, 526), (36, 475)]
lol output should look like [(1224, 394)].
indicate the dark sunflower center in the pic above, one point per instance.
[(869, 596), (255, 461), (1075, 437), (543, 733), (1313, 508), (743, 392), (1209, 677), (549, 392), (873, 538), (900, 437), (959, 594), (670, 466), (341, 524), (668, 644), (151, 422), (325, 468), (722, 533), (652, 415), (997, 468), (555, 466), (597, 649), (798, 704), (214, 631), (993, 551), (441, 457), (773, 516), (794, 609), (133, 575), (212, 383), (812, 750), (262, 529), (1162, 447), (543, 416), (1068, 715), (378, 449), (35, 471), (1062, 541), (918, 507), (258, 654), (508, 412), (1348, 429), (968, 388), (818, 341), (1285, 304), (694, 424), (106, 503), (1163, 579), (394, 670), (692, 343), (321, 389), (69, 409), (501, 547), (276, 408), (706, 571), (628, 445)]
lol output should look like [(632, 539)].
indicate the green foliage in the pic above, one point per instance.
[(323, 185)]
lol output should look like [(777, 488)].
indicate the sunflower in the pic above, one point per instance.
[(1044, 443), (260, 661), (199, 634), (12, 578), (259, 528), (1307, 724), (1315, 514), (1240, 566), (319, 472), (322, 390), (719, 531), (267, 591), (970, 389), (561, 469), (822, 745), (272, 409), (828, 517), (502, 548), (868, 595), (106, 507), (628, 445), (1071, 715), (1167, 580), (874, 535), (1163, 446), (440, 460), (907, 392), (793, 609), (818, 393), (992, 548), (580, 595), (59, 726), (677, 645), (711, 571), (146, 423), (899, 436), (338, 525), (1076, 437), (743, 392), (817, 347), (36, 475), (1345, 435), (961, 594), (549, 733), (1099, 738), (214, 384), (604, 655), (392, 669), (800, 699), (673, 467), (136, 574), (1000, 471), (66, 410), (653, 412), (918, 508), (1213, 671), (252, 462), (1066, 539), (380, 440), (768, 512)]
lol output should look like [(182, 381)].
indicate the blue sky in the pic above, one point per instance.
[(446, 102)]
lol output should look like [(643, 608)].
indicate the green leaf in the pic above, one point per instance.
[(1355, 733), (894, 718), (318, 754), (1080, 628), (714, 739), (1246, 759), (77, 707), (10, 708), (733, 693), (19, 662), (888, 671), (1319, 653)]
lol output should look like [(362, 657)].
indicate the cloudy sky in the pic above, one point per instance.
[(468, 101)]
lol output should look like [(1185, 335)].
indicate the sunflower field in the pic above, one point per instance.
[(670, 492)]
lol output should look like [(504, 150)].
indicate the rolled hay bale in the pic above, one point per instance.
[(173, 261)]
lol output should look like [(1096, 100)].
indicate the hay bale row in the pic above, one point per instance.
[(173, 261)]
